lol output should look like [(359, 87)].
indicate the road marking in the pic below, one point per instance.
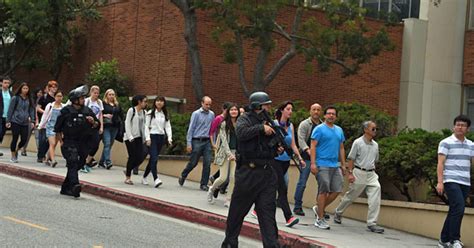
[(25, 223), (97, 246)]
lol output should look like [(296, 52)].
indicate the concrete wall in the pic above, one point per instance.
[(443, 64), (412, 73)]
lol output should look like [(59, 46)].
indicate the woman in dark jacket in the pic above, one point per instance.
[(113, 118), (21, 115)]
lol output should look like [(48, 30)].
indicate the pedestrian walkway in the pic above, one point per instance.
[(350, 234)]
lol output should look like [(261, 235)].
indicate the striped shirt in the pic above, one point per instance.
[(457, 167)]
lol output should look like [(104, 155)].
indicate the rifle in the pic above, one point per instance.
[(279, 139)]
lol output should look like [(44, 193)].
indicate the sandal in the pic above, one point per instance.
[(128, 181)]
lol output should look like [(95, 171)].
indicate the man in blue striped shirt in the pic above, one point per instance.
[(455, 155), (198, 142)]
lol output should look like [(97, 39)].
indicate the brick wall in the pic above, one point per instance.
[(468, 78), (146, 38)]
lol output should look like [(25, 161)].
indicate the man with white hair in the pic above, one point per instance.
[(361, 175)]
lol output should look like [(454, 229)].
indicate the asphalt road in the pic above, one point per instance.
[(36, 215)]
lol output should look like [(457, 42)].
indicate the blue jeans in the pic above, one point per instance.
[(200, 148), (157, 142), (301, 185), (457, 194), (108, 140)]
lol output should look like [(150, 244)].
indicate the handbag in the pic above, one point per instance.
[(121, 131)]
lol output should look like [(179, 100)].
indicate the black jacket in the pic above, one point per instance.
[(253, 145)]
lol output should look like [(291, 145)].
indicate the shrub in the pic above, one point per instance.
[(410, 156), (179, 126), (106, 75)]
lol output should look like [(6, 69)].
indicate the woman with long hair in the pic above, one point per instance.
[(112, 118), (158, 131), (48, 120), (134, 136), (95, 104), (225, 155), (21, 114)]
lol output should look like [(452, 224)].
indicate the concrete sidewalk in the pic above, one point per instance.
[(193, 206)]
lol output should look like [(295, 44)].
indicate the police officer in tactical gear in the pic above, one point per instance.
[(255, 180), (73, 127)]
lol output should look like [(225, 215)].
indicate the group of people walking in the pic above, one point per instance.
[(252, 151)]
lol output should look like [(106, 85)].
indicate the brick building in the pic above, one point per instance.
[(431, 68)]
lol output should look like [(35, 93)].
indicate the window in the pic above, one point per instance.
[(470, 104), (400, 8)]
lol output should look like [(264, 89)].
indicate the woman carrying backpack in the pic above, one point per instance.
[(21, 114), (134, 136)]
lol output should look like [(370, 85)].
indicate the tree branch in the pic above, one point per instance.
[(279, 30), (291, 51), (22, 57)]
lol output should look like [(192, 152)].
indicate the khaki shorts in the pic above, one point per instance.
[(329, 179)]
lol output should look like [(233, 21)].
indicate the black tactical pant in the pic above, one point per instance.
[(253, 186), (75, 154)]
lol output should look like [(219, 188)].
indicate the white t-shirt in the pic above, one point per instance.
[(96, 106)]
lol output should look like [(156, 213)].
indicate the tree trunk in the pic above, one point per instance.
[(190, 32)]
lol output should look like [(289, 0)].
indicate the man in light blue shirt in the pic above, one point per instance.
[(4, 105), (198, 142), (327, 150)]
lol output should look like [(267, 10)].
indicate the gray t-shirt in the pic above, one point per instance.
[(364, 153)]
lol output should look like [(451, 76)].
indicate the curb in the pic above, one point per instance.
[(185, 213)]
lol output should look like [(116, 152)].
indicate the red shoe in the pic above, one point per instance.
[(292, 221)]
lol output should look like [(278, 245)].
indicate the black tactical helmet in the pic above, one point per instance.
[(78, 92), (259, 98)]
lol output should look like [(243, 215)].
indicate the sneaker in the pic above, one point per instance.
[(47, 162), (254, 213), (39, 160), (322, 224), (204, 187), (144, 181), (292, 221), (14, 160), (457, 244), (376, 229), (54, 163), (442, 244), (337, 218), (108, 165), (101, 165), (89, 169), (326, 216), (158, 182), (23, 153), (298, 211), (227, 203), (210, 198), (93, 163), (83, 170), (1, 154)]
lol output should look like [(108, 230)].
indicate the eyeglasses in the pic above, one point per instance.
[(374, 129), (331, 113)]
